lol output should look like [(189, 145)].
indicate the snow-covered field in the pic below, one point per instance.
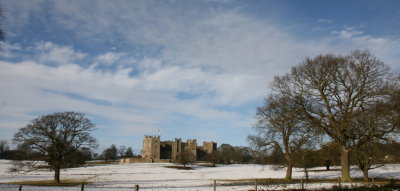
[(156, 177)]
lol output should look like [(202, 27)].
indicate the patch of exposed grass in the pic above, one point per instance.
[(66, 182), (271, 181), (206, 165), (180, 167), (320, 170), (379, 184), (100, 162), (367, 188), (44, 167)]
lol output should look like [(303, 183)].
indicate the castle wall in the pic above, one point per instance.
[(165, 149), (177, 147), (155, 151)]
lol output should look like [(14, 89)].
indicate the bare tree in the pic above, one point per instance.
[(305, 158), (226, 153), (375, 119), (3, 148), (243, 154), (330, 154), (121, 151), (111, 153), (55, 139), (332, 90), (129, 153), (185, 157), (394, 106), (212, 158), (367, 157), (281, 127)]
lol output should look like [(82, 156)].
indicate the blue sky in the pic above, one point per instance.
[(189, 69)]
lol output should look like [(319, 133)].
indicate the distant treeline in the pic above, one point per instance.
[(327, 154)]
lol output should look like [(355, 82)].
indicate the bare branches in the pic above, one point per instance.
[(333, 90), (282, 127), (349, 98), (56, 139), (343, 96)]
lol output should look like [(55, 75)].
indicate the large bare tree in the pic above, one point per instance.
[(334, 90), (56, 139), (281, 126)]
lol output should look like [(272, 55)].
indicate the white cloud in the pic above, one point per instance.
[(385, 48), (322, 20), (25, 10), (53, 54), (32, 87), (348, 33), (109, 58), (8, 50)]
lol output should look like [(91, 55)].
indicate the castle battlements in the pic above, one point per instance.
[(156, 150)]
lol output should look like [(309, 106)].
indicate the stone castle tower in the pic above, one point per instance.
[(191, 145), (151, 147), (209, 147)]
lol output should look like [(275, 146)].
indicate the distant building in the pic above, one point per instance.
[(155, 150)]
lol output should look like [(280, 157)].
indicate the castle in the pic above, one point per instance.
[(154, 150)]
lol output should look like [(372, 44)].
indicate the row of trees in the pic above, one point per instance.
[(84, 154), (352, 100), (326, 154), (227, 154), (113, 153)]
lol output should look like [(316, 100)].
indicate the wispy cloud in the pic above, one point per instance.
[(327, 21), (50, 53), (109, 58), (350, 38), (136, 104), (348, 33)]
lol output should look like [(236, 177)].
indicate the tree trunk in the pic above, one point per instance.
[(57, 175), (327, 164), (289, 163), (344, 161), (289, 172), (365, 173), (306, 173)]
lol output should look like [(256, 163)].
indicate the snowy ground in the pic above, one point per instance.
[(123, 177)]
